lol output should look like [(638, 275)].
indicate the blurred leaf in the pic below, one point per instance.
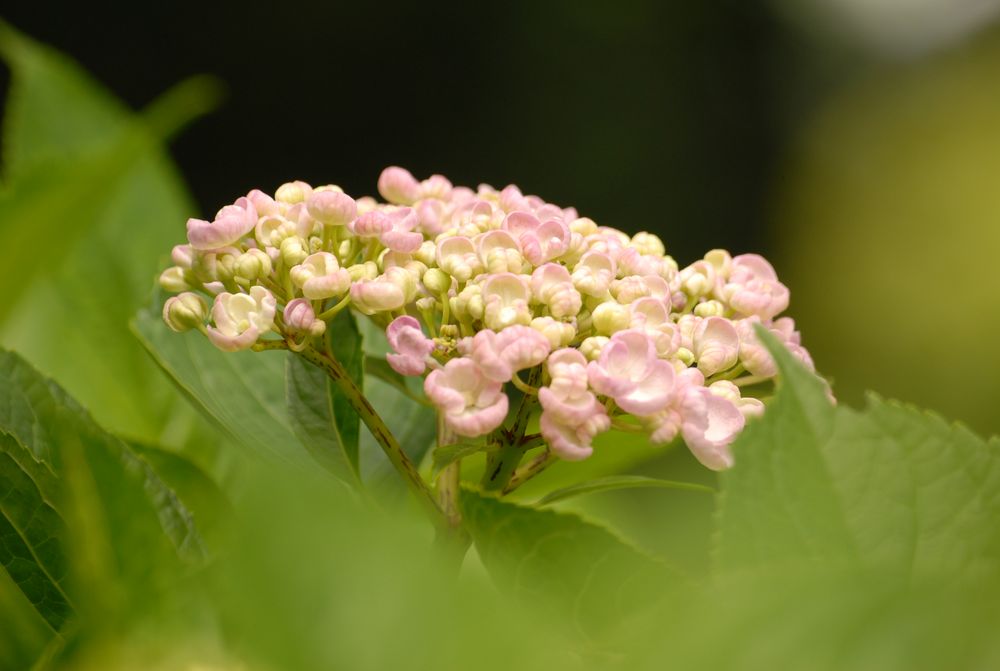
[(87, 179), (30, 535), (612, 482), (210, 508), (130, 505), (888, 487), (590, 575)]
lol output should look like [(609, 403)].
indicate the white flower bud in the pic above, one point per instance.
[(712, 308), (559, 334), (293, 252), (584, 226), (721, 261), (252, 265), (291, 193), (173, 279), (591, 347), (609, 318), (363, 271), (685, 356), (185, 312), (436, 281), (647, 244), (425, 254)]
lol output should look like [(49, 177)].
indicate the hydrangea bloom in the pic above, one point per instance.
[(484, 290)]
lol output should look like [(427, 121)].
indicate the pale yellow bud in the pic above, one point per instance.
[(609, 318)]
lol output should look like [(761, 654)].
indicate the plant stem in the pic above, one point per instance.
[(379, 431), (530, 470), (500, 467)]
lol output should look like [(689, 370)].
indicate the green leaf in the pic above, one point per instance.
[(377, 367), (310, 409), (344, 341), (93, 180), (445, 455), (887, 487), (30, 535), (210, 508), (241, 392), (128, 505), (618, 482), (584, 571)]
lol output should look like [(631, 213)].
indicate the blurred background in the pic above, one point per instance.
[(855, 142)]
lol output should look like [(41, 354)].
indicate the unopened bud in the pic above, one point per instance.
[(185, 312), (291, 193), (436, 281), (300, 317), (647, 243), (293, 252), (252, 265), (712, 308), (173, 280), (363, 271), (591, 347), (609, 318)]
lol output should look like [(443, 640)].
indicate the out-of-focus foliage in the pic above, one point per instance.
[(89, 200), (889, 228)]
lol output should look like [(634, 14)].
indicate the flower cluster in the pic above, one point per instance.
[(481, 289)]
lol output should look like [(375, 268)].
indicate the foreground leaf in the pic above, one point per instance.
[(886, 487), (612, 482), (588, 574), (128, 505), (31, 533)]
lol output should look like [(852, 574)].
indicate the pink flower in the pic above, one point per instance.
[(331, 208), (320, 276), (707, 421), (716, 345), (389, 291), (755, 357), (231, 223), (540, 242), (410, 345), (471, 404), (241, 318), (300, 317), (629, 371), (502, 354), (552, 286), (401, 237), (571, 414), (398, 186), (594, 273), (753, 288), (505, 301)]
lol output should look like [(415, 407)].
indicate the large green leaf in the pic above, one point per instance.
[(127, 503), (89, 204), (887, 487), (31, 533), (588, 574), (242, 392)]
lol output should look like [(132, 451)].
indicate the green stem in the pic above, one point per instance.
[(530, 470), (500, 467), (379, 431)]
